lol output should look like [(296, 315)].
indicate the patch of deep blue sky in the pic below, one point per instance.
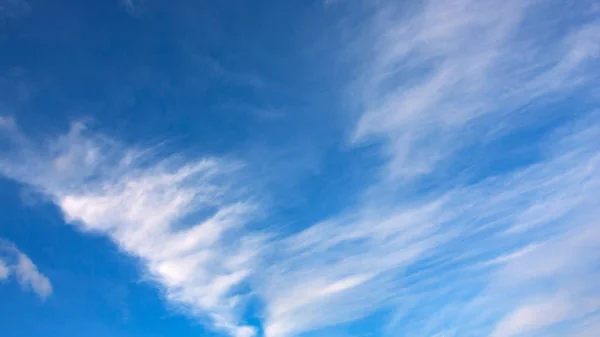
[(262, 81)]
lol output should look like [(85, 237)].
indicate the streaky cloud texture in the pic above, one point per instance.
[(440, 78), (175, 215), (345, 268), (480, 122), (13, 261)]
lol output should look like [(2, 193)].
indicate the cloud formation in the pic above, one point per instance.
[(346, 268), (503, 253), (176, 215), (13, 261), (438, 78), (188, 226), (435, 78)]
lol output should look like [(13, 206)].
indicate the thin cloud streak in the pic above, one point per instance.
[(14, 262), (472, 78), (187, 226), (371, 259), (438, 75)]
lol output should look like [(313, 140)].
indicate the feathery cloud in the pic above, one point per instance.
[(450, 76), (178, 216), (435, 81), (346, 268), (29, 277)]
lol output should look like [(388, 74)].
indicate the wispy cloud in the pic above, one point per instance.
[(348, 267), (187, 224), (510, 252), (531, 317), (436, 77), (29, 277), (177, 216)]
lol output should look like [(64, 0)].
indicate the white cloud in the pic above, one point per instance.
[(512, 256), (29, 277), (444, 78), (365, 257), (441, 78), (27, 273), (338, 271), (554, 283), (550, 263), (186, 223), (183, 219), (531, 317), (436, 81)]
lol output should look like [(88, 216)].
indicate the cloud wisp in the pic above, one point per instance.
[(176, 216), (448, 76), (14, 262), (348, 267), (450, 72)]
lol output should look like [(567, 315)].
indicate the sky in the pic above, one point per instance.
[(299, 168)]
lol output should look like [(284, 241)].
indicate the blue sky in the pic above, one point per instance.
[(338, 168)]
